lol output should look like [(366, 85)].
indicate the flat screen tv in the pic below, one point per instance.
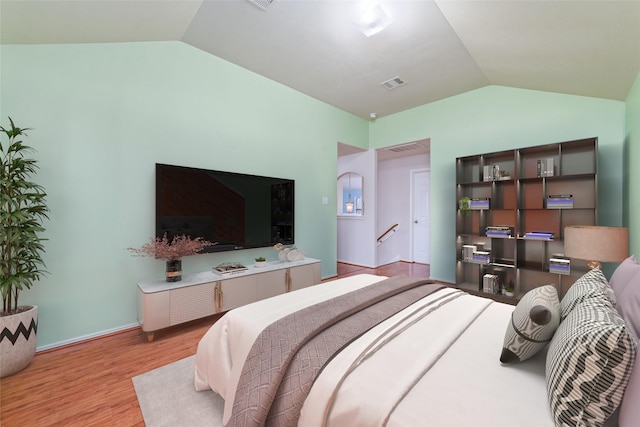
[(237, 211)]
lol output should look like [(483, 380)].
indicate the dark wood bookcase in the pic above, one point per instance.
[(518, 183)]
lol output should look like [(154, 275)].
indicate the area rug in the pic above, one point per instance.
[(167, 398)]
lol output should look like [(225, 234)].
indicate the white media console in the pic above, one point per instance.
[(162, 304)]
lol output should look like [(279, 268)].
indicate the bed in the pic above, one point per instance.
[(436, 362)]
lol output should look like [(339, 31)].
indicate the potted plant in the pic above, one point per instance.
[(508, 290), (464, 204), (172, 252), (22, 209), (261, 261)]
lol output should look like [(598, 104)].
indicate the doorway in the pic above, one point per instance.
[(398, 180), (421, 218)]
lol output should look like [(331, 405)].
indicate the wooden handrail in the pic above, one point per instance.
[(389, 230)]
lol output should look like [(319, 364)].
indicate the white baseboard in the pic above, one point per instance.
[(442, 281), (355, 264), (396, 259), (86, 337)]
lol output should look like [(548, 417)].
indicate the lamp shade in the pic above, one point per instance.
[(595, 243)]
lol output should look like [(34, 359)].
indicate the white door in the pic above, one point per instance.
[(420, 218)]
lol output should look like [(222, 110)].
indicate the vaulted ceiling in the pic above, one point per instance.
[(438, 48)]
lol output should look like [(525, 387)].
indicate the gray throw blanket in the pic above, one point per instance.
[(288, 355)]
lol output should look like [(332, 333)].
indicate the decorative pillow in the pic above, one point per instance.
[(589, 363), (629, 413), (624, 275), (626, 285), (533, 322), (629, 306), (591, 285)]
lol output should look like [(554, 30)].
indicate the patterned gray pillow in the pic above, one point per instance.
[(532, 324), (590, 285), (589, 362)]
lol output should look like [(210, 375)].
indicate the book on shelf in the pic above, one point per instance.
[(559, 265), (499, 228), (490, 283), (499, 231), (545, 235), (560, 201), (559, 270), (482, 257), (227, 268), (467, 252), (549, 167), (499, 235), (479, 204), (487, 173), (545, 167), (494, 173)]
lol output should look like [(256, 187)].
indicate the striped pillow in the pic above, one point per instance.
[(532, 324), (588, 365), (591, 285)]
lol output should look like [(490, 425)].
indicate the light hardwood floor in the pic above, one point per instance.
[(89, 384)]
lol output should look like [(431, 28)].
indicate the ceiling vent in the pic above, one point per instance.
[(262, 4), (404, 147), (394, 83)]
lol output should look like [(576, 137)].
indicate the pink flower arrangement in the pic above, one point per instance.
[(179, 247)]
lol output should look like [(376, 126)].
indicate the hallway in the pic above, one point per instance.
[(393, 269)]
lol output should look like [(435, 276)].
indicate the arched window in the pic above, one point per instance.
[(350, 194)]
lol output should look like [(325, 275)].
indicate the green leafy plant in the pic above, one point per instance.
[(464, 205), (261, 259), (22, 210), (509, 287)]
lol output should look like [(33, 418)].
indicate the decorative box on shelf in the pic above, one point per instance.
[(560, 201)]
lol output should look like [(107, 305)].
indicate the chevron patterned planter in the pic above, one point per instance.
[(17, 340)]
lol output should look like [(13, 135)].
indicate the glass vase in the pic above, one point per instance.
[(174, 270)]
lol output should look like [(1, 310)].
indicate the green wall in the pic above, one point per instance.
[(631, 170), (104, 114), (495, 118)]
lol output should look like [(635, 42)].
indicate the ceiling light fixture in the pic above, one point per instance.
[(373, 20)]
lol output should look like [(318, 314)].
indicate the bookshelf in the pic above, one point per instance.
[(533, 193)]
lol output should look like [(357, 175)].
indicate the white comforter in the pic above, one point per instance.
[(223, 349), (443, 369)]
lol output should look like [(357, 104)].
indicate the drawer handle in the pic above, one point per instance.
[(287, 280), (218, 297)]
